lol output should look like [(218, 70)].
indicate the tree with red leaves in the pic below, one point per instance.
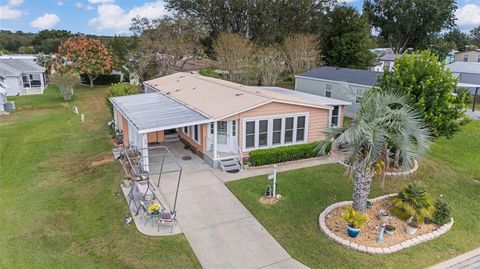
[(87, 55)]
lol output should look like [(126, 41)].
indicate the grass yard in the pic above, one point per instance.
[(452, 170), (57, 211)]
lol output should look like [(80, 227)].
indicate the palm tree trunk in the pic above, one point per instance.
[(396, 162), (361, 189)]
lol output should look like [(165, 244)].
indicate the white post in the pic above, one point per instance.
[(274, 187), (82, 117), (214, 140)]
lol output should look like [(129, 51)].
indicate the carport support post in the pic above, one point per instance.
[(214, 141), (475, 99)]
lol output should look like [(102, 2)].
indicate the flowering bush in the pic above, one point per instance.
[(154, 208)]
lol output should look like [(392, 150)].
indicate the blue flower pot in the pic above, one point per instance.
[(352, 232)]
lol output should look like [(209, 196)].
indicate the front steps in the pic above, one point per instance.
[(230, 165)]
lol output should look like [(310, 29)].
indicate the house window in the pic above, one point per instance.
[(288, 130), (185, 130), (212, 128), (358, 95), (301, 128), (35, 80), (465, 57), (334, 118), (26, 81), (195, 133), (234, 128), (277, 132), (328, 90), (250, 134), (262, 133)]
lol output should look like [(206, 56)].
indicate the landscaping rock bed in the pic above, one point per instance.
[(335, 228)]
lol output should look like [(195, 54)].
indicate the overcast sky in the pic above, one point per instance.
[(109, 17)]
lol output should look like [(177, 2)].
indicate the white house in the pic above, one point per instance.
[(385, 59), (3, 95), (22, 76)]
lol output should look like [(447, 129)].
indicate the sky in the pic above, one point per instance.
[(110, 17)]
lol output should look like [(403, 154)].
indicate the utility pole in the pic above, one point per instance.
[(475, 99)]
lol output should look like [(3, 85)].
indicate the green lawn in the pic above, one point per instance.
[(452, 170), (56, 210)]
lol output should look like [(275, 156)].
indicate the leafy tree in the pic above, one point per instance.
[(458, 38), (300, 52), (12, 41), (88, 55), (262, 21), (65, 77), (26, 50), (345, 40), (120, 47), (429, 88), (234, 55), (407, 23), (119, 89), (48, 41), (269, 65), (163, 44), (384, 120), (475, 36)]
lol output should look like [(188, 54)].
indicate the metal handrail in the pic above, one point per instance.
[(240, 154)]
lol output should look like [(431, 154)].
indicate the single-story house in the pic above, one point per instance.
[(222, 120), (344, 84), (22, 76), (385, 59), (468, 74), (468, 56)]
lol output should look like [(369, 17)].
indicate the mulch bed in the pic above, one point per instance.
[(370, 230)]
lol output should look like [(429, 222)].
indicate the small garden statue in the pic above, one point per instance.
[(380, 235)]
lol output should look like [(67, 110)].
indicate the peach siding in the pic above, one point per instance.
[(155, 137), (317, 118), (125, 131), (198, 146)]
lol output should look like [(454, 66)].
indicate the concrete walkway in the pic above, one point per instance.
[(221, 231), (469, 260)]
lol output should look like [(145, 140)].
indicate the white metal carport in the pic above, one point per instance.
[(152, 112)]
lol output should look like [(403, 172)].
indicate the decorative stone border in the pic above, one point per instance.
[(403, 173), (376, 250)]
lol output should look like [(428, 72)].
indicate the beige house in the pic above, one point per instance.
[(223, 121), (468, 56)]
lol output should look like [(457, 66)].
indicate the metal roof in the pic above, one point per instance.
[(23, 65), (321, 100), (150, 112), (464, 67), (348, 75), (7, 70)]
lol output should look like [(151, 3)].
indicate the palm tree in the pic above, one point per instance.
[(384, 121)]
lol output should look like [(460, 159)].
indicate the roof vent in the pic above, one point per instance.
[(238, 94), (167, 93), (194, 88), (177, 90)]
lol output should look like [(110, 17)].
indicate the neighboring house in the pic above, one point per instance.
[(468, 56), (468, 75), (450, 58), (344, 84), (28, 57), (221, 120), (386, 59), (22, 76)]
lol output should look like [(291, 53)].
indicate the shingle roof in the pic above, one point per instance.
[(356, 76), (23, 65), (156, 111), (7, 70)]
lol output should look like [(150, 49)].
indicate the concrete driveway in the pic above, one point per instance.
[(221, 231)]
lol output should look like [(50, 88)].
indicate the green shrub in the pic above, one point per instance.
[(119, 89), (442, 214), (261, 157), (414, 202)]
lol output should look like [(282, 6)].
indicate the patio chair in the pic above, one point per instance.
[(149, 215)]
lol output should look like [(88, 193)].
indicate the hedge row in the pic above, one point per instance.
[(261, 157), (101, 79)]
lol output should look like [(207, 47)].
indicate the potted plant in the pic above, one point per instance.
[(355, 221), (390, 229), (411, 227), (384, 216), (413, 204)]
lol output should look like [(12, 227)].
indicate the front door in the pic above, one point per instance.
[(232, 141), (222, 136)]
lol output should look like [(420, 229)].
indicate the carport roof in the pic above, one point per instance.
[(155, 111)]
